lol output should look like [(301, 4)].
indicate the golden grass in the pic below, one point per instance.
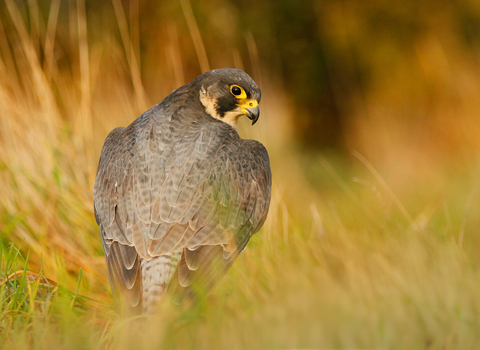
[(343, 261)]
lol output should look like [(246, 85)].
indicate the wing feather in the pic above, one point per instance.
[(194, 188)]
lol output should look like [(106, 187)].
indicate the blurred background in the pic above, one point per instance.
[(370, 112), (395, 81)]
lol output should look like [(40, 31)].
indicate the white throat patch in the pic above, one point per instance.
[(210, 107)]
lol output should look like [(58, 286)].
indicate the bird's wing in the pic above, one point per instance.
[(237, 196), (162, 186)]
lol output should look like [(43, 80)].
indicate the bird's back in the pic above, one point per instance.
[(178, 195)]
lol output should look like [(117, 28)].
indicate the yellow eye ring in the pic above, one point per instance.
[(238, 92)]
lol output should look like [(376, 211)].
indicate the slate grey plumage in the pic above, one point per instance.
[(178, 193)]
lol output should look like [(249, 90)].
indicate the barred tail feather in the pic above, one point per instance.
[(156, 275)]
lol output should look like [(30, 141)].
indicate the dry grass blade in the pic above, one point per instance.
[(385, 186), (196, 36), (465, 215), (31, 277), (44, 287), (254, 59), (349, 192), (133, 62), (50, 62), (174, 54), (85, 92)]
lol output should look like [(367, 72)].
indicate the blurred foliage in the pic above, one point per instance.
[(372, 249), (337, 61)]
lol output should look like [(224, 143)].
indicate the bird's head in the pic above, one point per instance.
[(229, 93)]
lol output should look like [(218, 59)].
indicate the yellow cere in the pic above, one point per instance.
[(241, 95), (246, 104)]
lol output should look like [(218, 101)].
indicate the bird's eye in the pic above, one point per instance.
[(237, 91)]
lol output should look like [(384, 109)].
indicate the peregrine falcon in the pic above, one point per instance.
[(178, 193)]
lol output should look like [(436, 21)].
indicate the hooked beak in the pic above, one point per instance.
[(252, 114)]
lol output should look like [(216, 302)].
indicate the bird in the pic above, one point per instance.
[(178, 193)]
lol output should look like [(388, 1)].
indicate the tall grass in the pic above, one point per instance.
[(343, 261)]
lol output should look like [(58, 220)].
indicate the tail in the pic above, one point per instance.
[(156, 274)]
